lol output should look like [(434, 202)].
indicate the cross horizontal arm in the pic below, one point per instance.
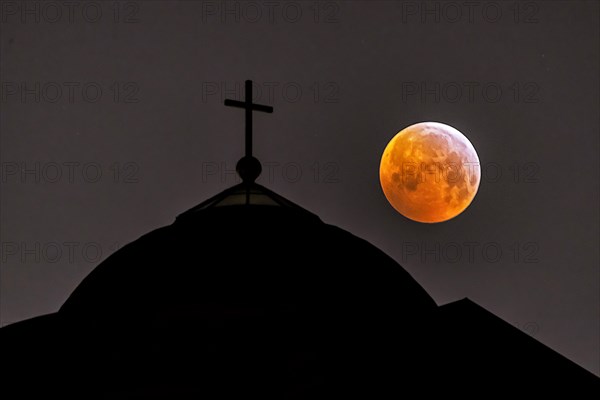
[(243, 104)]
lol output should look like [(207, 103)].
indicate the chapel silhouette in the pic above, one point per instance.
[(248, 295)]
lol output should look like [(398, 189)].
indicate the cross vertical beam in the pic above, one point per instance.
[(249, 107)]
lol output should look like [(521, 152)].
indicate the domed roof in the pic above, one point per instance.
[(248, 247), (268, 254)]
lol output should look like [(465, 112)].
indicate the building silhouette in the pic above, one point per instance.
[(250, 295)]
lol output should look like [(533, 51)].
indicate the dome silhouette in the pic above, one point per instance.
[(269, 256), (248, 294)]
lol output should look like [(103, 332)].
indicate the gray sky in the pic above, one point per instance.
[(112, 123)]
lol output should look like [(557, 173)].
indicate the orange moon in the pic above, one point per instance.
[(429, 172)]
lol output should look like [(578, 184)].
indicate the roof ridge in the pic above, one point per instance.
[(244, 194)]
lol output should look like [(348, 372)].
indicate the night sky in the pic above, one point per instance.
[(112, 123)]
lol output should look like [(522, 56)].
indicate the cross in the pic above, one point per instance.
[(249, 106)]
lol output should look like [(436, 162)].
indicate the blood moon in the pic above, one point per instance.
[(429, 172)]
